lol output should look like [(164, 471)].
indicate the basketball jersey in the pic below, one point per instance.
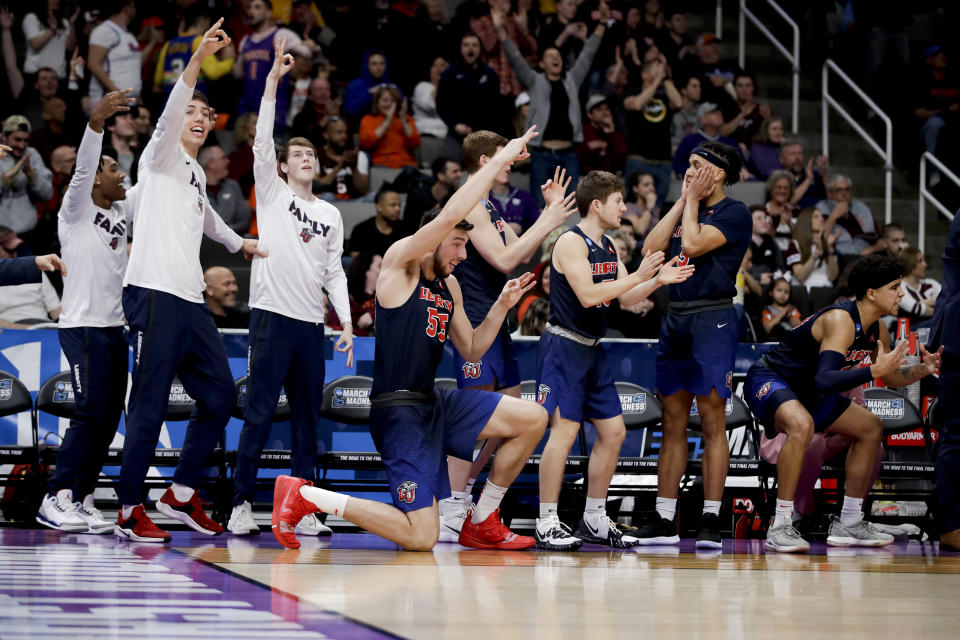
[(410, 339), (716, 273), (565, 308), (480, 281), (796, 357), (257, 58), (178, 53)]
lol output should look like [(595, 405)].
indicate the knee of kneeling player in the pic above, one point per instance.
[(421, 540)]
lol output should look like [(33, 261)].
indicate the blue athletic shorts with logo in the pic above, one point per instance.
[(766, 390), (498, 366), (414, 440), (697, 351), (576, 378)]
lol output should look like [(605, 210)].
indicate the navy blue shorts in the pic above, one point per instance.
[(576, 378), (697, 352), (414, 440), (498, 366), (766, 390)]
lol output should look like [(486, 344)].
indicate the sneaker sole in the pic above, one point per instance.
[(797, 548), (78, 528), (246, 533), (650, 542), (320, 532), (130, 535), (170, 512), (548, 546), (605, 542), (507, 546), (842, 541), (100, 529), (709, 544)]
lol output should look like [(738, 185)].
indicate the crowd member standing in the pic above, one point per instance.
[(698, 340), (305, 235), (574, 381), (172, 330), (93, 237)]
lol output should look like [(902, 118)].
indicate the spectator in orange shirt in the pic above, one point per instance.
[(389, 133)]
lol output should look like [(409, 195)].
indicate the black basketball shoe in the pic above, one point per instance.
[(708, 537), (656, 530), (607, 534)]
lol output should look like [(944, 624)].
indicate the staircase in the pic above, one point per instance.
[(850, 154)]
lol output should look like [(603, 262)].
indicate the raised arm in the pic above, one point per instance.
[(521, 68), (458, 206), (264, 151), (699, 239), (88, 155), (14, 77), (658, 239)]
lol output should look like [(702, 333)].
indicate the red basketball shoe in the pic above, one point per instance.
[(289, 507), (491, 534), (189, 513), (139, 527)]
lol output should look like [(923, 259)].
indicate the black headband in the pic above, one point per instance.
[(712, 158)]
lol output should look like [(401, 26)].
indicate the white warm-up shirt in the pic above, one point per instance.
[(304, 240), (172, 213), (122, 62), (93, 245)]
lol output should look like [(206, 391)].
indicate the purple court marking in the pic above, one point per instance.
[(84, 586)]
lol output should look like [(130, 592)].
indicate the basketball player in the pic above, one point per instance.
[(93, 237), (419, 306), (305, 236), (172, 329), (493, 252), (574, 381), (795, 389), (698, 338)]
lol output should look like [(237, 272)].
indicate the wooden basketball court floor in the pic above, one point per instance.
[(356, 585)]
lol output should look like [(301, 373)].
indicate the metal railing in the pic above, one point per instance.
[(885, 153), (925, 195), (792, 57)]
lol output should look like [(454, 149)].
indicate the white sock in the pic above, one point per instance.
[(453, 504), (127, 510), (88, 501), (65, 495), (667, 507), (181, 493), (327, 501), (548, 510), (594, 512), (711, 506), (852, 511), (489, 501), (469, 489), (783, 513), (459, 496)]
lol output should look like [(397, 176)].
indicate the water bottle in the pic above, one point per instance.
[(913, 358)]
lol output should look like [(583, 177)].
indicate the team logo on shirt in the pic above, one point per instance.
[(306, 235), (764, 390), (313, 227), (542, 392), (117, 230), (471, 370), (407, 492)]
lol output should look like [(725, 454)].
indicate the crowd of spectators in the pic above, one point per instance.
[(615, 85)]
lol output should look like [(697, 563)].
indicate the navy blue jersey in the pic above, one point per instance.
[(410, 339), (716, 273), (945, 324), (480, 282), (796, 357), (565, 308)]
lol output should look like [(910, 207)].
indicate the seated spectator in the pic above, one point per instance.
[(45, 238), (541, 290), (780, 190), (143, 124), (767, 257), (603, 147), (641, 200), (316, 113), (747, 301), (177, 51), (343, 173), (711, 121), (676, 44), (465, 95), (54, 133), (534, 319), (300, 79), (362, 287), (765, 149), (446, 178), (648, 117), (919, 292), (121, 136), (937, 101), (743, 119), (388, 133), (49, 35), (241, 158), (716, 75), (852, 218), (23, 305), (809, 181), (521, 106), (377, 234), (359, 97), (224, 193), (220, 295), (779, 316), (425, 114), (25, 180), (812, 256), (687, 119), (517, 207), (892, 241)]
